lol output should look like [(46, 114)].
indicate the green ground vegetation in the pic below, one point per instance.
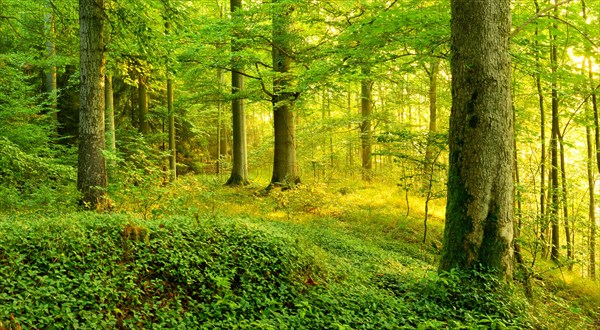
[(196, 254)]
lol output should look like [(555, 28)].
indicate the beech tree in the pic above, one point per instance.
[(92, 179), (239, 170), (285, 171), (479, 211)]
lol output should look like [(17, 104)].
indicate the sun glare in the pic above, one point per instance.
[(576, 58)]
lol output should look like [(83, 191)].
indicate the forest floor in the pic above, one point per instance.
[(197, 254)]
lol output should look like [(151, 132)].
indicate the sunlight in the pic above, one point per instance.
[(576, 58)]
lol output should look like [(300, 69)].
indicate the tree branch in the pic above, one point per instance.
[(536, 16)]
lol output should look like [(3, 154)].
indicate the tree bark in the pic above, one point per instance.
[(429, 151), (554, 200), (591, 181), (592, 204), (480, 210), (50, 79), (92, 179), (538, 83), (144, 127), (172, 132), (110, 115), (366, 134), (239, 171), (519, 208), (285, 171), (564, 201)]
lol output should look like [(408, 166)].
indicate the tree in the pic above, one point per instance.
[(239, 170), (92, 179), (479, 211), (285, 171), (554, 193), (366, 134)]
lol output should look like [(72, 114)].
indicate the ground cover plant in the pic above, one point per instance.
[(260, 265)]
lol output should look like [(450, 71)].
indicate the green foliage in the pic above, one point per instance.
[(23, 118), (111, 271), (106, 272), (31, 181)]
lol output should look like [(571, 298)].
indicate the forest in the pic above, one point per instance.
[(299, 164)]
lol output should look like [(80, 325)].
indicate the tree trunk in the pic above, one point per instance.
[(591, 181), (517, 194), (554, 254), (50, 79), (239, 171), (172, 132), (144, 127), (564, 201), (91, 170), (110, 115), (479, 212), (538, 83), (592, 205), (430, 150), (366, 135), (285, 171)]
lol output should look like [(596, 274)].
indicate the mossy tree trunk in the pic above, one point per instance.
[(480, 210), (92, 179)]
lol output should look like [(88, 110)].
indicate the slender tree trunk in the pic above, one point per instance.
[(480, 210), (110, 115), (554, 254), (50, 81), (592, 204), (220, 80), (564, 201), (350, 147), (591, 181), (544, 227), (91, 170), (172, 132), (285, 171), (366, 134), (517, 194), (430, 150), (144, 127)]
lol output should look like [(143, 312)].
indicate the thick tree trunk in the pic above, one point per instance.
[(480, 211), (91, 170), (366, 134), (285, 171), (239, 171)]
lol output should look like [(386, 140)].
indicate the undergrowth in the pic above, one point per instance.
[(108, 271), (199, 255)]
